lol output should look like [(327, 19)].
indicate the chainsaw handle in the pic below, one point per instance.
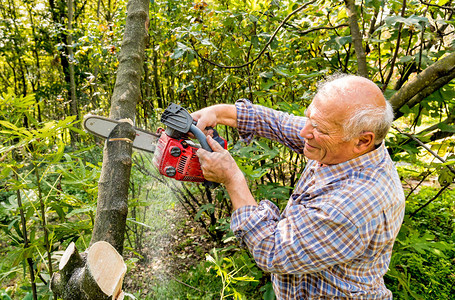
[(203, 140), (200, 136), (215, 136)]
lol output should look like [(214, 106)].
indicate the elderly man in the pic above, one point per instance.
[(334, 239)]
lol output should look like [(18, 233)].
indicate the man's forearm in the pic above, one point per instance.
[(239, 192), (237, 186), (226, 114)]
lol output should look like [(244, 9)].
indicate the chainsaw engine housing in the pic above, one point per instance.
[(176, 158)]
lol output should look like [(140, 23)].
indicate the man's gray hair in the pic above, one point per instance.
[(367, 118), (375, 119)]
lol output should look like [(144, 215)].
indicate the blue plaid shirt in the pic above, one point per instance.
[(334, 239)]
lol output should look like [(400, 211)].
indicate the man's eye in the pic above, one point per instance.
[(320, 130)]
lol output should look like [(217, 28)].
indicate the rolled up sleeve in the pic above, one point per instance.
[(257, 120), (251, 224)]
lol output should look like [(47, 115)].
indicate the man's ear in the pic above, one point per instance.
[(365, 142)]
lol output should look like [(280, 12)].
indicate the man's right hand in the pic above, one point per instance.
[(219, 166)]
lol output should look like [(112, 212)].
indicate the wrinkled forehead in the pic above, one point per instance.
[(327, 112), (329, 104)]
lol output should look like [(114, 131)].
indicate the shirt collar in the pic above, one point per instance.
[(324, 173)]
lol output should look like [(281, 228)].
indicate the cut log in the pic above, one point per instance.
[(96, 274), (71, 260)]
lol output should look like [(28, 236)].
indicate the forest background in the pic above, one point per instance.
[(59, 61)]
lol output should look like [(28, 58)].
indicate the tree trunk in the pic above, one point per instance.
[(95, 274), (72, 82), (112, 208), (99, 273), (127, 90)]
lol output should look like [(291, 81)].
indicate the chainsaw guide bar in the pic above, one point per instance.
[(102, 127)]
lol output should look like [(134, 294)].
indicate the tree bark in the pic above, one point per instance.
[(424, 84), (357, 38), (127, 85), (112, 208)]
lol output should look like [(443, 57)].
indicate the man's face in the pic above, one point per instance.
[(323, 133)]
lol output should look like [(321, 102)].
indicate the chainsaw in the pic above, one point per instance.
[(175, 153)]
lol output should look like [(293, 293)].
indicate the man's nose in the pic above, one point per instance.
[(307, 131)]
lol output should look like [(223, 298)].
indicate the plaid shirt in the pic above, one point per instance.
[(334, 239)]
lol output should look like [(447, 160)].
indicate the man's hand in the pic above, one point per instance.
[(218, 166), (225, 114), (205, 117)]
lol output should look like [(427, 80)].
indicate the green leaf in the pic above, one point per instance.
[(406, 59), (416, 20), (269, 293), (445, 176), (266, 74), (253, 18), (339, 41), (411, 20), (225, 79), (274, 44), (29, 296), (206, 42), (178, 53), (446, 128), (210, 208), (283, 71), (266, 85), (255, 41), (88, 208), (5, 296), (392, 20), (9, 125)]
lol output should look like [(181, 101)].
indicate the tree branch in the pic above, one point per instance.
[(356, 38), (265, 47), (429, 80), (425, 176), (427, 91), (426, 148), (397, 47), (429, 201), (304, 32), (450, 120), (438, 6)]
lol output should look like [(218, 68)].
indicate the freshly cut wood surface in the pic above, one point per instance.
[(107, 268)]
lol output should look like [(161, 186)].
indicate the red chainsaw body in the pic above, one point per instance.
[(176, 158)]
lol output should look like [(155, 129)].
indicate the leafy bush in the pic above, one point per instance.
[(48, 196), (422, 265)]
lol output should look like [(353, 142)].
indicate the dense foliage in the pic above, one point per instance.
[(56, 67)]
